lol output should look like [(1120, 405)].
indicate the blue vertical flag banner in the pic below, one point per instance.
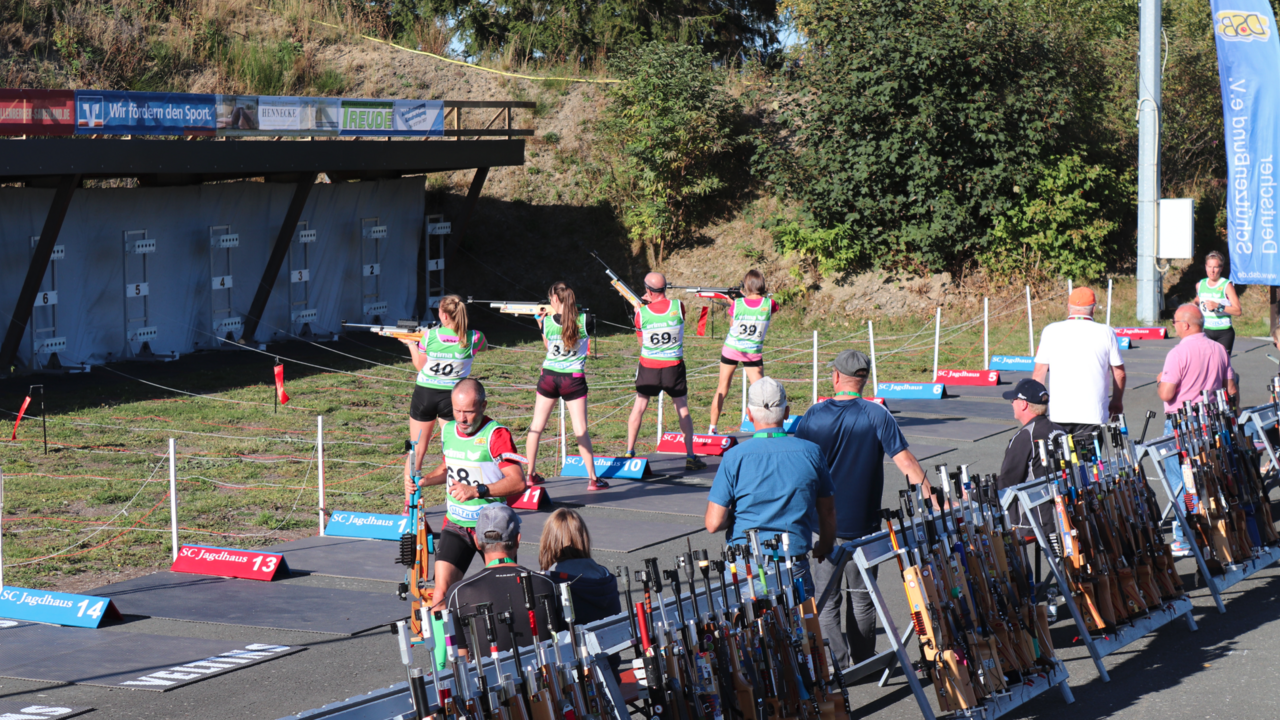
[(1249, 71)]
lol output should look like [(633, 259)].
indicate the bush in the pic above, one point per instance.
[(1061, 226), (673, 128)]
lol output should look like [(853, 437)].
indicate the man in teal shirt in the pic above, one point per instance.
[(775, 484)]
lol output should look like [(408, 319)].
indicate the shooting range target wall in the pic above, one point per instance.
[(196, 237)]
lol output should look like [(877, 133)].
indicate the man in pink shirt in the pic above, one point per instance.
[(1195, 364)]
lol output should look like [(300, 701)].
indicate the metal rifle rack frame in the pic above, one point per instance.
[(44, 315), (301, 313), (1159, 449), (372, 235), (438, 231), (225, 322), (884, 661), (1264, 417), (138, 330), (1035, 493)]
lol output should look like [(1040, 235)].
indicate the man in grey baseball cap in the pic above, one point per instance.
[(854, 436), (499, 583)]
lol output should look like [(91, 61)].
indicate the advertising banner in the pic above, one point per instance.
[(911, 391), (229, 562), (1013, 363), (673, 442), (392, 117), (275, 115), (607, 467), (373, 526), (112, 112), (37, 112), (1248, 68), (55, 608), (968, 377)]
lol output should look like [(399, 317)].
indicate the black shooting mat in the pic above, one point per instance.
[(620, 535), (24, 709), (922, 451), (117, 659), (672, 465), (343, 557), (1001, 411), (630, 495), (253, 603), (958, 430)]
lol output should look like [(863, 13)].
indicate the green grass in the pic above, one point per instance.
[(246, 472)]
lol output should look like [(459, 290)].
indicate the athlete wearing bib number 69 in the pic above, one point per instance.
[(749, 318), (565, 333), (660, 329), (442, 358), (480, 468)]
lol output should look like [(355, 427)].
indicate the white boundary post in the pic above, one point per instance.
[(937, 334), (1108, 301), (562, 435), (744, 395), (871, 332), (173, 497), (1031, 333), (1069, 287), (815, 367), (320, 465), (986, 329), (1, 529), (659, 440)]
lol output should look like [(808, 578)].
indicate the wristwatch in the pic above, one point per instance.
[(482, 491)]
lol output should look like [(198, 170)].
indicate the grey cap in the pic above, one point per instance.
[(498, 523), (767, 394), (849, 362)]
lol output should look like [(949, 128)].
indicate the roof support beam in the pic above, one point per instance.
[(35, 273), (278, 253)]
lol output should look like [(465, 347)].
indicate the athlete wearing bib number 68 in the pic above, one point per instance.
[(565, 334), (749, 318), (660, 329), (442, 358), (480, 468)]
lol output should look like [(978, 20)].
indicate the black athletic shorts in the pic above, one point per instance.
[(745, 363), (567, 386), (430, 403), (652, 382), (1225, 337), (457, 546)]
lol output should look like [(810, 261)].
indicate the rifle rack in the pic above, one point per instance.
[(872, 554), (1035, 493), (1159, 449), (1263, 417), (884, 661)]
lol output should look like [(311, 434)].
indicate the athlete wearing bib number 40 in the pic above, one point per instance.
[(480, 468), (442, 358), (660, 329), (565, 333), (749, 318)]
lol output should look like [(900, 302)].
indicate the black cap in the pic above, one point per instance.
[(1030, 390)]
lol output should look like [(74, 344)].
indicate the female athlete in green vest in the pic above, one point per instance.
[(749, 318), (1216, 297), (442, 358), (565, 333)]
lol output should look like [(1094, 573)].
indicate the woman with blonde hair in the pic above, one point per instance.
[(1218, 302), (564, 554), (442, 358)]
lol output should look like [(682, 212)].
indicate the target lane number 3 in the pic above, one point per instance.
[(137, 290), (298, 276)]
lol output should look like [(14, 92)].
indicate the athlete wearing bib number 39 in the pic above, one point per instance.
[(565, 333), (660, 330), (749, 318), (480, 468), (442, 358)]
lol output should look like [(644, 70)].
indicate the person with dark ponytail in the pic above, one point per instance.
[(443, 359), (565, 333), (749, 318)]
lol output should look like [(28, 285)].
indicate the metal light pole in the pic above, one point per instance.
[(1149, 286)]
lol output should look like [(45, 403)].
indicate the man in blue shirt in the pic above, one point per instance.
[(775, 484), (854, 436)]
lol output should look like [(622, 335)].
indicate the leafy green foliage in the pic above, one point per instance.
[(672, 129), (1061, 226), (910, 124), (834, 247)]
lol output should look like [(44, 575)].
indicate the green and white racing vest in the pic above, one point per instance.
[(447, 362), (746, 335), (560, 358), (468, 462), (1214, 319), (662, 335)]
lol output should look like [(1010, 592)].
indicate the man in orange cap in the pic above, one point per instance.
[(1080, 359)]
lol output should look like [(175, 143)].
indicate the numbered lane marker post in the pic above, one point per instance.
[(173, 498), (1031, 333), (229, 562), (563, 442), (986, 328), (1, 529), (744, 395), (320, 466), (1069, 287), (226, 323), (659, 438), (871, 333), (1108, 301), (937, 335), (815, 367)]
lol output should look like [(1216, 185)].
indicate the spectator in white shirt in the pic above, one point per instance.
[(1077, 360)]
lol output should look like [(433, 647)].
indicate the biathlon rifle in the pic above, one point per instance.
[(626, 292), (722, 293), (402, 330)]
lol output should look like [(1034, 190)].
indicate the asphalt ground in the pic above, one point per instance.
[(1222, 671)]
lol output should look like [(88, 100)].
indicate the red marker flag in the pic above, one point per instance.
[(280, 393), (702, 321), (21, 410)]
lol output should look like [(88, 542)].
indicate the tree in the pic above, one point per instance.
[(672, 128), (912, 125)]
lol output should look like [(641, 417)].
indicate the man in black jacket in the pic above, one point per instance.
[(1022, 457)]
